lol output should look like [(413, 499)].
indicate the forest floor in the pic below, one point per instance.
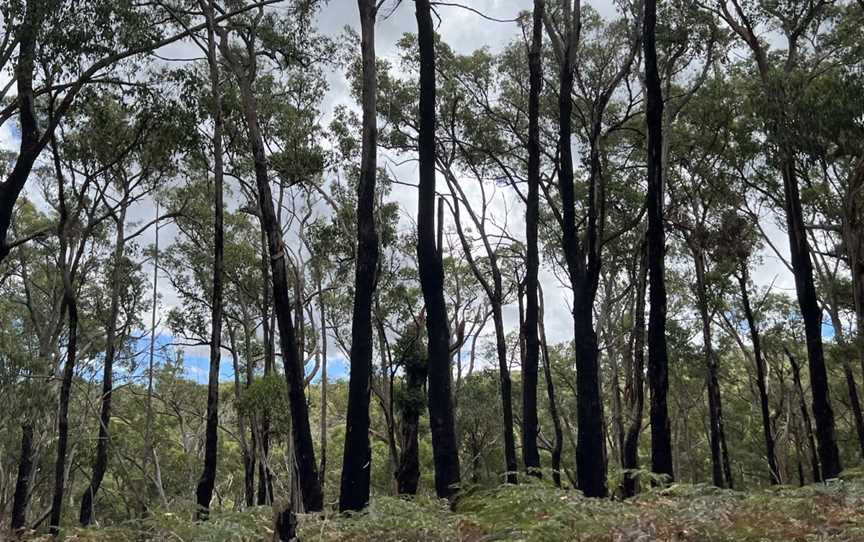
[(537, 512)]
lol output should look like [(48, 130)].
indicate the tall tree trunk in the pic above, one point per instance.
[(204, 491), (761, 377), (658, 358), (245, 451), (530, 424), (70, 303), (265, 479), (250, 450), (712, 383), (357, 459), (583, 267), (100, 464), (495, 294), (441, 417), (634, 390), (323, 445), (63, 413), (811, 312), (805, 416), (558, 445), (292, 361)]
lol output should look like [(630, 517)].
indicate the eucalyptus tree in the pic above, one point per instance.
[(357, 459), (658, 357), (145, 160), (532, 215), (204, 490), (243, 64), (429, 261), (78, 46), (777, 74), (590, 70)]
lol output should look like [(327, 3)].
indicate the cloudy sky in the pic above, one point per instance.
[(464, 31)]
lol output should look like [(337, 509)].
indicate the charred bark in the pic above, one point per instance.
[(634, 390), (658, 358), (530, 424), (357, 459), (441, 417), (761, 377)]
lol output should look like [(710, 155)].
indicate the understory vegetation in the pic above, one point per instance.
[(538, 511)]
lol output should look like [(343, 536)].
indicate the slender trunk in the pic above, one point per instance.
[(634, 392), (495, 293), (441, 417), (357, 458), (658, 358), (250, 450), (22, 483), (761, 376), (505, 389), (323, 445), (63, 411), (853, 237), (712, 383), (307, 470), (811, 313), (530, 424), (805, 416), (100, 464), (70, 303), (246, 453), (149, 451), (558, 445), (851, 387), (204, 491), (265, 479)]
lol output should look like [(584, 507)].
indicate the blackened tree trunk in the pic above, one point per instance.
[(22, 482), (783, 135), (805, 417), (411, 405), (634, 389), (304, 452), (265, 483), (70, 303), (31, 142), (583, 269), (712, 383), (323, 445), (761, 376), (204, 491), (495, 294), (63, 413), (100, 464), (558, 444), (811, 313), (658, 358), (441, 418), (530, 424), (357, 459)]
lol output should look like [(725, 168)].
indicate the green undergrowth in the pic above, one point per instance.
[(537, 512)]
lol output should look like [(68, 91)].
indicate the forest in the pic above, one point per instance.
[(427, 270)]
